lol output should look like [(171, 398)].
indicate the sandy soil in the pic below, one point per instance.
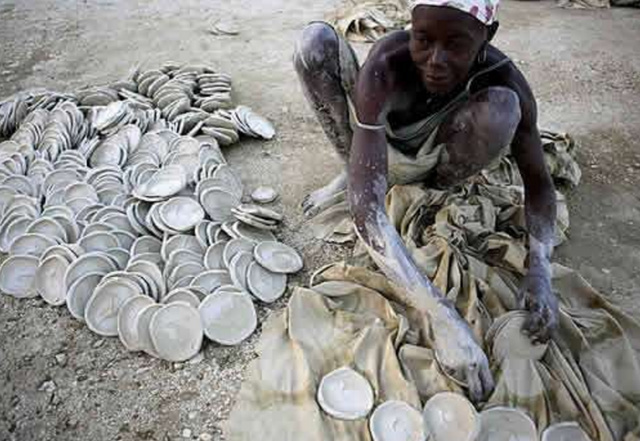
[(59, 381)]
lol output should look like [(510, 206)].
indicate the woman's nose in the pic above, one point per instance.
[(438, 59)]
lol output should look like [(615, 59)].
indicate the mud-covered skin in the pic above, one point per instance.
[(314, 202), (316, 62), (536, 294), (408, 76)]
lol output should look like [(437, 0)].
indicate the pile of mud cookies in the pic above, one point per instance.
[(118, 202)]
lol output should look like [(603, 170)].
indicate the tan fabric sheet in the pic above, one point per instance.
[(472, 244), (590, 375)]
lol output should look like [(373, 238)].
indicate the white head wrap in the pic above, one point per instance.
[(484, 10)]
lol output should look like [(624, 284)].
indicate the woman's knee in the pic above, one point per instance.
[(317, 48), (477, 134), (489, 120), (496, 113)]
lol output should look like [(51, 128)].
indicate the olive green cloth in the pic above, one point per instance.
[(496, 194)]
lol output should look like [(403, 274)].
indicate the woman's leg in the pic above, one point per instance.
[(327, 68)]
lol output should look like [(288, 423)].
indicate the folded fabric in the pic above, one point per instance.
[(472, 243)]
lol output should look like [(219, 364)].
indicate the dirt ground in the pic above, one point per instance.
[(60, 381)]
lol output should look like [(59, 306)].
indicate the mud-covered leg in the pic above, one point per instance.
[(476, 134), (317, 63)]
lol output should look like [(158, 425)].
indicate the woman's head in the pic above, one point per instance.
[(446, 41)]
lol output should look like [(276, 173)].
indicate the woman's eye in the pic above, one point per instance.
[(456, 44)]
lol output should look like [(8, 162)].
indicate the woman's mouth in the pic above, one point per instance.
[(436, 79), (438, 84)]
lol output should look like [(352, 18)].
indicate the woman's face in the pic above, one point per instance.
[(445, 42)]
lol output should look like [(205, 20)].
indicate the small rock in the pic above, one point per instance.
[(48, 386), (606, 270), (61, 359), (192, 415), (186, 433), (205, 437), (143, 370), (178, 366), (98, 343)]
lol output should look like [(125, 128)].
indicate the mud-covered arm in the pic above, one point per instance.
[(367, 183), (455, 346), (540, 212), (367, 190)]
